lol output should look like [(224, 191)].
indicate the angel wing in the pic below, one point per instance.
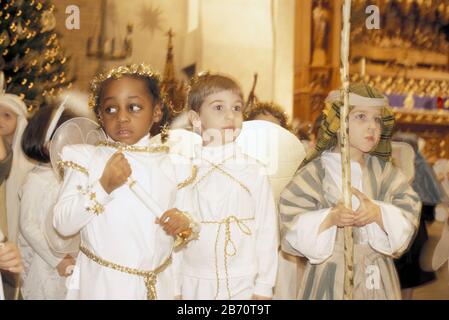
[(277, 148), (75, 131), (404, 158)]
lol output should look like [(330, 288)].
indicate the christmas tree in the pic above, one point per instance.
[(31, 56)]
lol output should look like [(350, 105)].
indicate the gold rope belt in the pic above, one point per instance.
[(150, 277), (229, 245)]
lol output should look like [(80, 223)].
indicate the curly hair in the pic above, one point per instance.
[(272, 109)]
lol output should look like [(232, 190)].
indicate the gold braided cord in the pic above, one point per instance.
[(72, 165), (150, 277), (190, 179), (229, 248), (218, 166), (125, 147), (141, 69)]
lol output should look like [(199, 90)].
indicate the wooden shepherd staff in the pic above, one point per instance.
[(344, 147)]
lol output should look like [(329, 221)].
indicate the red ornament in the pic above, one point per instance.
[(440, 104)]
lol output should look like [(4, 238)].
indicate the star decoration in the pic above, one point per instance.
[(151, 18)]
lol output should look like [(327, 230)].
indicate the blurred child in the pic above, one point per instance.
[(13, 113), (13, 120), (45, 271), (269, 112), (10, 259)]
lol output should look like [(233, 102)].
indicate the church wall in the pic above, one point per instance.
[(236, 37)]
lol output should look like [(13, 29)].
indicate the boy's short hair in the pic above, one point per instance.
[(33, 138), (207, 84), (269, 109)]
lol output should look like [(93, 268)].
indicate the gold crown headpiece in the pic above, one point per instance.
[(141, 69), (196, 78)]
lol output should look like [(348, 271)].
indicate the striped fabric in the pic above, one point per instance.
[(311, 190)]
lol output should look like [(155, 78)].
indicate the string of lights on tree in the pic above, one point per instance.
[(31, 55)]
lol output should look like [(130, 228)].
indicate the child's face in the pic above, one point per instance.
[(127, 110), (365, 125), (8, 122), (220, 118)]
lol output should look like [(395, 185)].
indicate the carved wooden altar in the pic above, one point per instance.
[(408, 55)]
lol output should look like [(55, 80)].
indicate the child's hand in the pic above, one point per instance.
[(257, 297), (341, 216), (368, 212), (63, 267), (115, 173), (10, 259), (2, 149), (173, 222)]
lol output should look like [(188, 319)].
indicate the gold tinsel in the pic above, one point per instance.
[(141, 69)]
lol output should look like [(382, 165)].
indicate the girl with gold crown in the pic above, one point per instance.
[(385, 211), (124, 253)]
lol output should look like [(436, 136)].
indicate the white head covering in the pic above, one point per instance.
[(20, 163), (358, 100)]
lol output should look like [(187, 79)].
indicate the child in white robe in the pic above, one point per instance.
[(124, 253), (13, 120), (10, 258), (45, 270), (236, 255)]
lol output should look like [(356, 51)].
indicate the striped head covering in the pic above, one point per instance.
[(360, 94)]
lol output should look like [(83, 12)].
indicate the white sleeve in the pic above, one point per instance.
[(397, 234), (303, 237), (30, 227), (177, 277), (267, 238), (185, 175), (79, 202), (2, 296)]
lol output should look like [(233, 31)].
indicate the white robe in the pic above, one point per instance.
[(38, 195), (125, 233), (242, 190), (2, 295)]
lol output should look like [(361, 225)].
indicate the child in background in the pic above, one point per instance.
[(236, 255), (121, 255), (13, 120), (10, 259), (13, 113), (269, 112), (385, 211), (45, 272)]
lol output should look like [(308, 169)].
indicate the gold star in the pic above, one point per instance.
[(150, 18)]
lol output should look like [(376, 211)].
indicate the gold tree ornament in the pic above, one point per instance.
[(48, 21)]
